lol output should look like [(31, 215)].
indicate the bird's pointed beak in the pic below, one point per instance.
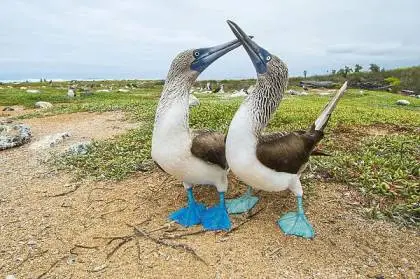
[(211, 54), (254, 50)]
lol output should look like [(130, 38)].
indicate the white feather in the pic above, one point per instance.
[(241, 146)]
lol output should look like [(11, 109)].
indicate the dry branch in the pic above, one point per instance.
[(248, 218), (178, 246), (66, 193)]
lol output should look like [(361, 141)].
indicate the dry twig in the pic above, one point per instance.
[(178, 246)]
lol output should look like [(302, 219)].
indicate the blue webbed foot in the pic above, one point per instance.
[(296, 223), (216, 218), (190, 215), (242, 204)]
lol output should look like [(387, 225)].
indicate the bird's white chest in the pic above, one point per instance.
[(171, 149), (171, 140), (241, 145)]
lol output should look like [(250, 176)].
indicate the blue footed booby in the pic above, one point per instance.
[(272, 162), (194, 157)]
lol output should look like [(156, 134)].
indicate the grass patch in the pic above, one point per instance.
[(384, 169)]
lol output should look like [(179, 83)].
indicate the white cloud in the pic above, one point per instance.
[(139, 38)]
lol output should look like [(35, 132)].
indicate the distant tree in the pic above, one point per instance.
[(304, 73), (348, 70), (342, 72), (357, 68), (333, 72), (374, 68), (394, 82), (383, 69)]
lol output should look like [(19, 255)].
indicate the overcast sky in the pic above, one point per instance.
[(138, 39)]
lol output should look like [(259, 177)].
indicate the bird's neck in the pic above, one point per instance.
[(262, 103), (173, 104)]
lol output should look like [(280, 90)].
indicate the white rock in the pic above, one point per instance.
[(23, 88), (33, 91), (297, 93), (193, 101), (50, 141), (80, 148), (324, 94), (12, 135), (11, 276), (70, 93), (43, 105), (123, 90), (304, 93), (403, 102), (240, 93), (103, 90)]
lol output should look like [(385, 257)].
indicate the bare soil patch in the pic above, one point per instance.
[(54, 227)]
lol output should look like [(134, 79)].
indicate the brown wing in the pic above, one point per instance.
[(286, 152), (209, 146)]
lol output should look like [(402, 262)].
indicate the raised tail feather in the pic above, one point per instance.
[(321, 122)]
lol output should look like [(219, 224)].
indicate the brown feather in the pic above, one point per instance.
[(287, 152), (209, 146)]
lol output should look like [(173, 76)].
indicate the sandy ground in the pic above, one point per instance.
[(54, 227)]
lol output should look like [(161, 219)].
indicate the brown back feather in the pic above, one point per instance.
[(287, 152), (209, 146)]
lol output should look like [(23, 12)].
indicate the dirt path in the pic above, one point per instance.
[(53, 227)]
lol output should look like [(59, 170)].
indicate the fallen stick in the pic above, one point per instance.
[(159, 241), (248, 218)]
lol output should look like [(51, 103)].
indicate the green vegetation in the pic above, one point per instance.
[(386, 171), (409, 77), (384, 168)]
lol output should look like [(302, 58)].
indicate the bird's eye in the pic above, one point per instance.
[(196, 53), (268, 58)]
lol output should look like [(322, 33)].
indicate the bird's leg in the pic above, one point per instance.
[(242, 204), (296, 223), (216, 218), (190, 215)]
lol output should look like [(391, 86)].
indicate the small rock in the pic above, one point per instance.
[(293, 92), (50, 141), (43, 105), (12, 135), (403, 102), (10, 276), (123, 90), (324, 94), (31, 242), (23, 88), (239, 93), (70, 92), (33, 91), (8, 109), (99, 268), (193, 101), (71, 259), (103, 90), (371, 263), (80, 148)]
